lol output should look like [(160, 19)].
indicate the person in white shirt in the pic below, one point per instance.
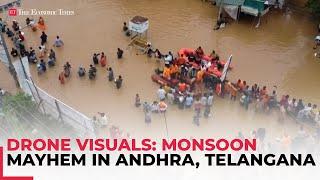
[(58, 42), (170, 97), (42, 50), (167, 59), (188, 101), (103, 120), (210, 100), (161, 93), (204, 100), (305, 113), (155, 107)]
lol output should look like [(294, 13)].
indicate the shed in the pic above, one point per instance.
[(139, 24)]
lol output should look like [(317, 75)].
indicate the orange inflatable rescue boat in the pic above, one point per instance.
[(163, 81), (185, 51)]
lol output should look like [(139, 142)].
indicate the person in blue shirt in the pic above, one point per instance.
[(189, 101)]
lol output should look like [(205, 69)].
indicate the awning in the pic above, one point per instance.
[(232, 11), (230, 2), (249, 10)]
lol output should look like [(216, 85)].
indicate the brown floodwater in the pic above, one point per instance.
[(279, 53)]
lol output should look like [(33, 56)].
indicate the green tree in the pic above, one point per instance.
[(20, 103), (314, 7), (23, 116)]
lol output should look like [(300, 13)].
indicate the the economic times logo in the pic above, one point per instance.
[(38, 12)]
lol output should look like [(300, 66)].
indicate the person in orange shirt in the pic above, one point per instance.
[(174, 70), (166, 73), (41, 24), (200, 75), (163, 107), (103, 60), (182, 86), (232, 90), (181, 61), (241, 85)]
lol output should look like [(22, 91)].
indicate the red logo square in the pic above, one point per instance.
[(12, 12)]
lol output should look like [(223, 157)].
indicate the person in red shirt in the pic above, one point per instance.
[(181, 61), (182, 87), (61, 77), (103, 60)]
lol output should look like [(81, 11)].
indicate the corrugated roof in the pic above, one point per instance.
[(231, 2)]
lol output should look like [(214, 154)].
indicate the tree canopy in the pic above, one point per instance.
[(314, 7)]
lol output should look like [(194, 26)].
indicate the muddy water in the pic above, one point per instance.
[(278, 53), (6, 79)]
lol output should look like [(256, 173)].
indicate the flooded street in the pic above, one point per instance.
[(279, 53)]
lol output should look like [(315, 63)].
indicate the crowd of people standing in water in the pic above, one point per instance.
[(193, 75), (264, 101), (39, 57), (195, 87)]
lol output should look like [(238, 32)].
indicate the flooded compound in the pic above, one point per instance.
[(277, 54)]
